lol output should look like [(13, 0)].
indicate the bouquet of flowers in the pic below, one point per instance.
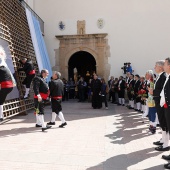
[(142, 93)]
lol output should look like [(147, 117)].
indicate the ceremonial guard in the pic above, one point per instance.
[(41, 93), (130, 91), (56, 92), (165, 102), (7, 81), (28, 68), (136, 89), (142, 93), (160, 110), (121, 91)]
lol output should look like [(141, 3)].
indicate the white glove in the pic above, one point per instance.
[(39, 97)]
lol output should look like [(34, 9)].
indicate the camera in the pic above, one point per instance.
[(124, 68)]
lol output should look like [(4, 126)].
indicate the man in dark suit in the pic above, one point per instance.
[(121, 91), (160, 110), (130, 86), (165, 102), (136, 89)]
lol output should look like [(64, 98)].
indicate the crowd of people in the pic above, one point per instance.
[(148, 95), (42, 90)]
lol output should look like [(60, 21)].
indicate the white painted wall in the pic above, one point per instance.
[(138, 30)]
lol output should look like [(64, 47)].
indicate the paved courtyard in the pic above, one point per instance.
[(113, 139)]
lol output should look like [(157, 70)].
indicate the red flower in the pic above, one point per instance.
[(141, 91), (151, 79), (165, 106)]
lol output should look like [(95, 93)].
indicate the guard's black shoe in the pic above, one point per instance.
[(51, 123), (157, 143), (24, 98), (166, 157), (62, 125), (160, 148), (167, 166), (38, 125), (47, 127), (1, 119)]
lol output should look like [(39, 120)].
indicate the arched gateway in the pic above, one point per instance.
[(82, 63), (81, 51)]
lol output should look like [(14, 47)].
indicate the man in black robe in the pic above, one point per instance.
[(96, 88)]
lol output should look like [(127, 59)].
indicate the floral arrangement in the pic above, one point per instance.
[(142, 93)]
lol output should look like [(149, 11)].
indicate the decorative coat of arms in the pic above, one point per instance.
[(100, 23), (61, 25)]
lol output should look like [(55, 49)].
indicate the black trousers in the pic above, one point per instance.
[(112, 95), (121, 93), (56, 105), (81, 95), (96, 100), (40, 106), (161, 116), (130, 96), (3, 93), (104, 99), (28, 79), (167, 117)]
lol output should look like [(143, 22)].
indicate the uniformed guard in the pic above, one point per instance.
[(7, 81), (28, 68), (56, 92), (41, 93)]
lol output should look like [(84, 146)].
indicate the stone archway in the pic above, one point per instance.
[(83, 64), (95, 44)]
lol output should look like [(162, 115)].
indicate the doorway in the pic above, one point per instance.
[(83, 63)]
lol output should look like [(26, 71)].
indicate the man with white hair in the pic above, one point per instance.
[(160, 110), (7, 81), (56, 92)]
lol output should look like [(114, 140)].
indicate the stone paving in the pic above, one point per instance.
[(114, 139)]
